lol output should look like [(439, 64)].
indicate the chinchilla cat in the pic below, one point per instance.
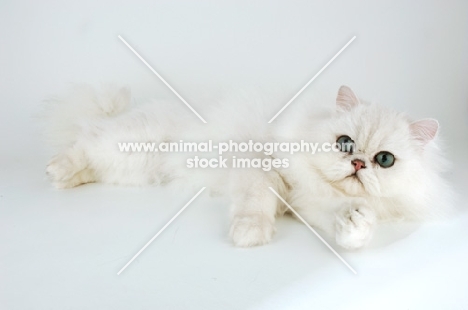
[(390, 170)]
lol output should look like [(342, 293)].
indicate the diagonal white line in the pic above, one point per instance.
[(313, 230), (161, 230), (161, 78), (315, 76)]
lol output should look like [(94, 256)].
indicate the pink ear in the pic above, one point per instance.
[(424, 130), (346, 99)]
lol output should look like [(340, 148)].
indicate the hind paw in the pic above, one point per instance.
[(65, 171)]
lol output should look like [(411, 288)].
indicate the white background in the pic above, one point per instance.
[(62, 249)]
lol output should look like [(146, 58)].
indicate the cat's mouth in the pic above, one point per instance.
[(355, 176), (360, 183)]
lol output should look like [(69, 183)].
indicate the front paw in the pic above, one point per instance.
[(355, 225), (251, 230)]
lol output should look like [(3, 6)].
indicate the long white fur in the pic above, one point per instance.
[(87, 126)]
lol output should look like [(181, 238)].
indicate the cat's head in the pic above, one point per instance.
[(385, 157)]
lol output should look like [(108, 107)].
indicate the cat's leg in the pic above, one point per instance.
[(97, 156), (354, 224), (254, 206), (70, 168), (350, 221)]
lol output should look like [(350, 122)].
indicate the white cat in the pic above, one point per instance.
[(392, 172)]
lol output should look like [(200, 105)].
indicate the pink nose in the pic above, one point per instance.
[(358, 164)]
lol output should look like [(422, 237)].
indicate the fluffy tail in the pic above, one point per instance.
[(63, 117)]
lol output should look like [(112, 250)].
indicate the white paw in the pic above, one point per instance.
[(251, 230), (62, 170), (354, 226)]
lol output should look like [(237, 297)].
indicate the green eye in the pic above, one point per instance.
[(385, 159), (346, 144)]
